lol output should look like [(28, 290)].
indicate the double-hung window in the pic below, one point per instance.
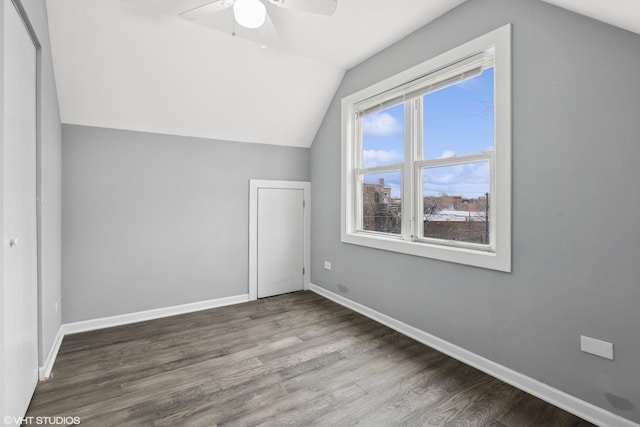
[(426, 158)]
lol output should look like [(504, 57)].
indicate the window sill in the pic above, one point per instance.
[(477, 258)]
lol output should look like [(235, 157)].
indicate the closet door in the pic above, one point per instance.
[(20, 302), (280, 241)]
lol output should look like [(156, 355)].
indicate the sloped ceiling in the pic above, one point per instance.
[(135, 65), (621, 13)]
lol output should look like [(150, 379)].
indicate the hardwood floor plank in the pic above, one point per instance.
[(403, 396), (296, 359), (386, 387), (326, 403), (529, 411), (346, 371)]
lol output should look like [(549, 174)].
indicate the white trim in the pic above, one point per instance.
[(498, 42), (44, 371), (254, 185), (141, 316), (574, 405)]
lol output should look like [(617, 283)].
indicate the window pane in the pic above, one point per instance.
[(383, 137), (458, 119), (381, 207), (456, 201)]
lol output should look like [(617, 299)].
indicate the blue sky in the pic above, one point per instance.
[(457, 120)]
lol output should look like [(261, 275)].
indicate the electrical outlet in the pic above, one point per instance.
[(597, 347), (327, 265), (57, 306)]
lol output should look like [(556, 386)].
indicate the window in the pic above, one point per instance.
[(427, 158)]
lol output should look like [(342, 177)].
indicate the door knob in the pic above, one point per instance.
[(13, 242)]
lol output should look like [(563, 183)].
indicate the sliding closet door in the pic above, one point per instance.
[(19, 305)]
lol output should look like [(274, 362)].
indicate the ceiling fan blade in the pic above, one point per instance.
[(208, 7), (320, 7), (167, 7), (268, 31)]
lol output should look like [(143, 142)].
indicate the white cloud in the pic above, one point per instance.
[(467, 180), (382, 124), (372, 158), (442, 179), (447, 153), (478, 173)]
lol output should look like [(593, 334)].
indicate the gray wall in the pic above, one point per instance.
[(576, 132), (153, 221), (49, 141)]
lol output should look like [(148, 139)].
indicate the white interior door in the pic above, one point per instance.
[(280, 241), (19, 306)]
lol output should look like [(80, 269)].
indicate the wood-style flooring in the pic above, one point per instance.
[(291, 360)]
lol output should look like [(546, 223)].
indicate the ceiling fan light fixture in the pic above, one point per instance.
[(249, 13)]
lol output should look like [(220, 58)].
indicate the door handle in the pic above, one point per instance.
[(13, 242)]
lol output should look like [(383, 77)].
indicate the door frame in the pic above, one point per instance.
[(254, 186)]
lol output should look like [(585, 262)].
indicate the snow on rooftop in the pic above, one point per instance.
[(456, 216)]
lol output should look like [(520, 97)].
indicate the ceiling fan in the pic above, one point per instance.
[(251, 16)]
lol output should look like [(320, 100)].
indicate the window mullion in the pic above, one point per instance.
[(357, 176), (407, 177), (381, 169), (455, 160), (358, 180), (416, 176)]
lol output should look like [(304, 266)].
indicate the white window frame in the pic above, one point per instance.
[(496, 255)]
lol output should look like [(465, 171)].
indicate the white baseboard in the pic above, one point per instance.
[(124, 319), (141, 316), (44, 371), (578, 407)]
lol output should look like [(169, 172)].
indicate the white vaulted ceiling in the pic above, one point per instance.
[(136, 65), (621, 13)]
